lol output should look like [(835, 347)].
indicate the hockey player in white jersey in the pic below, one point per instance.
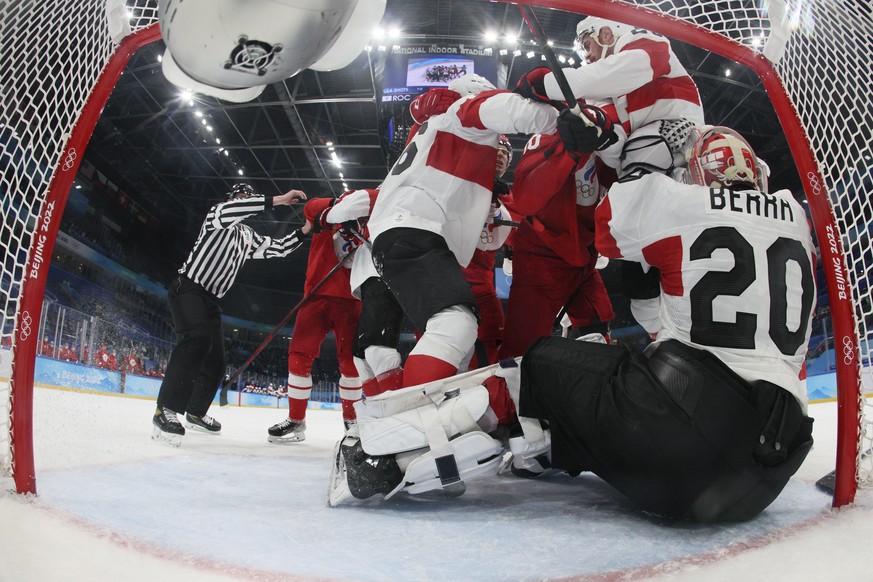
[(656, 101), (430, 211), (707, 426)]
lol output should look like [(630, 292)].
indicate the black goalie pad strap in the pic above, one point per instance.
[(447, 468)]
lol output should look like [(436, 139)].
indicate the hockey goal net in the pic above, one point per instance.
[(63, 59)]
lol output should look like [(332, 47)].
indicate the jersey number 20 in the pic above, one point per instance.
[(741, 333)]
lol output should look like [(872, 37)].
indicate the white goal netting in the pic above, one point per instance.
[(55, 51)]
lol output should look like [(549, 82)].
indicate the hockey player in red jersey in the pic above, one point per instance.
[(430, 211), (708, 425), (480, 272), (332, 308), (378, 332), (635, 70), (553, 262)]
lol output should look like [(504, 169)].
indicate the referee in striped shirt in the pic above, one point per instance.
[(197, 363)]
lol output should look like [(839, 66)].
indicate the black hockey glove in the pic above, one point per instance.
[(586, 132), (351, 232), (321, 222), (500, 189)]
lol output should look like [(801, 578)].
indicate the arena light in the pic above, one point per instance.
[(240, 172), (516, 53), (394, 33), (562, 58), (727, 72), (378, 33), (511, 38), (571, 62), (530, 54), (382, 48), (490, 35), (503, 52)]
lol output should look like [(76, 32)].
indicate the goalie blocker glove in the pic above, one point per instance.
[(585, 132)]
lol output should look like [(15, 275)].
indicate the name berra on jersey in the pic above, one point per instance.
[(754, 203)]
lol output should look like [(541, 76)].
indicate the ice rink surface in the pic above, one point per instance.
[(114, 505)]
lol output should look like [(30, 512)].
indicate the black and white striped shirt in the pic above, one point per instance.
[(224, 244)]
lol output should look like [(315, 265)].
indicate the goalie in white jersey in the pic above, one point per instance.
[(713, 423), (707, 426)]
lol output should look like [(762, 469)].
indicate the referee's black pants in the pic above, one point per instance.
[(196, 365)]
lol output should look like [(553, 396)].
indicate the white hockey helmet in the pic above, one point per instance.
[(232, 50), (590, 26), (720, 157), (471, 84)]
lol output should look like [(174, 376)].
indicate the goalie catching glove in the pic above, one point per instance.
[(585, 132)]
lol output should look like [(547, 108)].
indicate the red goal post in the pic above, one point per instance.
[(65, 65)]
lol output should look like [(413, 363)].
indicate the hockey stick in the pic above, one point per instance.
[(539, 35), (827, 483), (222, 399)]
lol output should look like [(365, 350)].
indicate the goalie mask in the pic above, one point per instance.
[(471, 84), (240, 191), (720, 157), (232, 50), (594, 49)]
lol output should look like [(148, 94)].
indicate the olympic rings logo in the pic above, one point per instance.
[(814, 183), (848, 350), (25, 330), (70, 160)]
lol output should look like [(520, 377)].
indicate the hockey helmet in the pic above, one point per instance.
[(241, 190), (721, 157), (471, 84), (232, 50), (591, 26)]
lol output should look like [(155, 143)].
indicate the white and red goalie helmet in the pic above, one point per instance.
[(720, 157)]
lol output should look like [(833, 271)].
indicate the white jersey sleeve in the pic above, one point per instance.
[(737, 270), (350, 207)]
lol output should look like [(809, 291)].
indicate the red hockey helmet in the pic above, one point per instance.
[(720, 157)]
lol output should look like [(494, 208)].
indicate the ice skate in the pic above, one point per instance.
[(203, 423), (351, 427), (357, 475), (167, 427), (287, 431)]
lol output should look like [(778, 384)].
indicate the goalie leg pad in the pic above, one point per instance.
[(472, 455), (412, 429)]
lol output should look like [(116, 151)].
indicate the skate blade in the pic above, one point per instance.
[(200, 429), (338, 492), (173, 440), (287, 439)]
